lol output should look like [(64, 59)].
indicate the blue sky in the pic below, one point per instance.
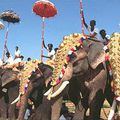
[(27, 34)]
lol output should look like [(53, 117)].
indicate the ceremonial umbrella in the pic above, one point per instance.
[(45, 9), (1, 25), (10, 17)]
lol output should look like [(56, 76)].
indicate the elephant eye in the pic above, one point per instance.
[(72, 56), (90, 45), (75, 63)]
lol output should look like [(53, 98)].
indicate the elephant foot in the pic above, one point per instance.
[(1, 118)]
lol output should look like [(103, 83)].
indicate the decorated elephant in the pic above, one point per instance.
[(9, 89), (86, 76), (83, 59), (36, 83), (114, 54)]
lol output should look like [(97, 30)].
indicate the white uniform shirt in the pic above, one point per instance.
[(51, 54), (17, 60), (17, 53), (94, 31), (9, 60), (1, 62), (104, 40)]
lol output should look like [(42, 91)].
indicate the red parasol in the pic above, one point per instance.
[(45, 9)]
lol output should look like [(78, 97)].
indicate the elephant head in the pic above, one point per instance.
[(7, 76), (37, 83), (90, 53)]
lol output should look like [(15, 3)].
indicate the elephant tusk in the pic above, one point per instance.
[(62, 87), (48, 92), (16, 100)]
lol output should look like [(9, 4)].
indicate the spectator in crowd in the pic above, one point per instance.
[(28, 110)]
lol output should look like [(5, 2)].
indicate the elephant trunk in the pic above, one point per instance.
[(22, 107), (24, 101)]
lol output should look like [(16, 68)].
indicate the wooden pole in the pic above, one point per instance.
[(5, 43), (82, 16), (41, 58)]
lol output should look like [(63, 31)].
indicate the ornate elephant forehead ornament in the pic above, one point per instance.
[(29, 67), (24, 75), (63, 56), (114, 53)]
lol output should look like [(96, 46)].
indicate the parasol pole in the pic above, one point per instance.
[(42, 38), (82, 16), (6, 38)]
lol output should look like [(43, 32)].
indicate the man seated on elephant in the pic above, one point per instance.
[(51, 51), (104, 38), (17, 52), (18, 63), (10, 63), (93, 31), (9, 59)]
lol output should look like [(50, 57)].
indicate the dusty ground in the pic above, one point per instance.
[(104, 112)]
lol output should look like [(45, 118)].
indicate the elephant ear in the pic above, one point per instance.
[(9, 76), (96, 54)]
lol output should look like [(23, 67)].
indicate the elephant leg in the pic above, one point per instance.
[(3, 108), (118, 104), (56, 108), (11, 112), (95, 105), (80, 111), (109, 94), (43, 112)]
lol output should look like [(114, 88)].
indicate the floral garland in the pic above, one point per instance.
[(108, 65), (107, 60), (68, 59)]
